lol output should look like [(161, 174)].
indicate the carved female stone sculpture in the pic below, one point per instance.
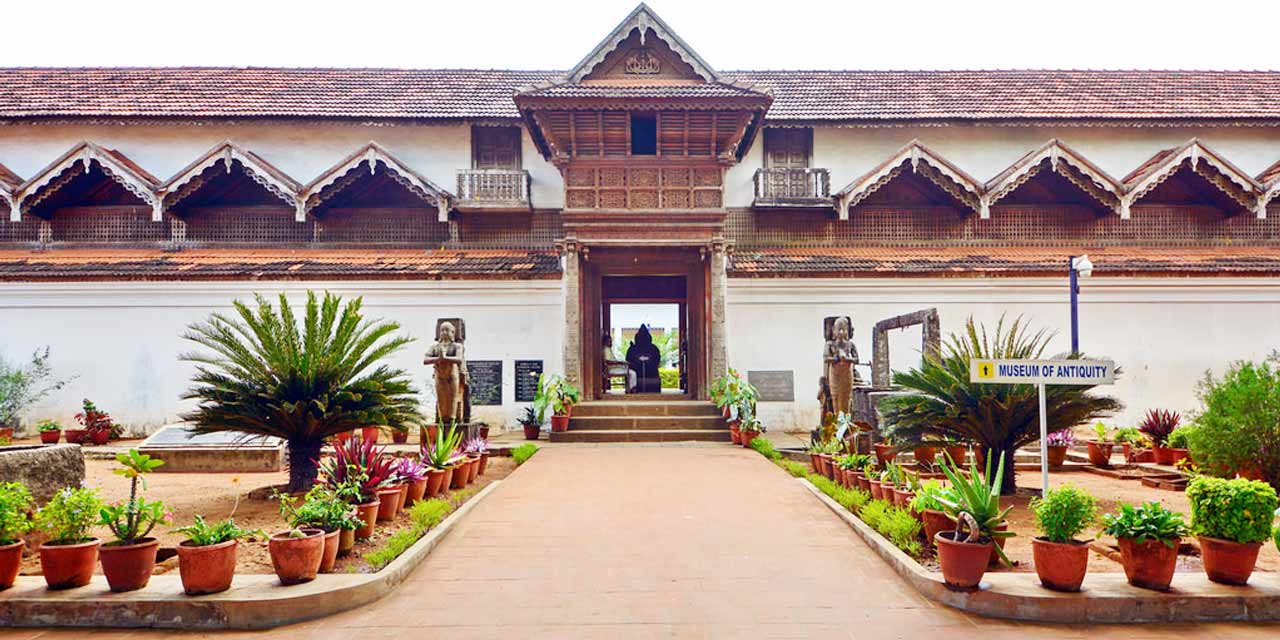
[(839, 357), (450, 362)]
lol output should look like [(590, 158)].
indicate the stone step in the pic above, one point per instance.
[(616, 423), (643, 435), (601, 408)]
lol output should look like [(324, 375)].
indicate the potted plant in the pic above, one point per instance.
[(815, 455), (1157, 425), (955, 449), (868, 476), (50, 431), (1061, 560), (325, 509), (1148, 535), (1101, 447), (750, 427), (555, 393), (1177, 444), (925, 454), (1057, 444), (927, 502), (15, 505), (129, 560), (440, 457), (1128, 438), (415, 475), (885, 451), (207, 558), (478, 447), (362, 462), (1231, 519), (965, 552), (532, 423), (69, 555), (98, 425)]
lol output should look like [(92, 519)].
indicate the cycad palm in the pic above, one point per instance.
[(269, 376), (940, 401)]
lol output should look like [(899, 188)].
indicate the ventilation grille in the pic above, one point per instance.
[(247, 225), (94, 225), (409, 226), (538, 230)]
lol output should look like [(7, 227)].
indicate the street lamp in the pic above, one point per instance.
[(1079, 267)]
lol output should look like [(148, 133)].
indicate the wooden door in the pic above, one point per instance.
[(495, 147)]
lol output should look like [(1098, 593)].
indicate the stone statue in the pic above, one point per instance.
[(449, 358), (838, 358)]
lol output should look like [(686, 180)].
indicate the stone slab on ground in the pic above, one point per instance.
[(184, 451), (44, 469)]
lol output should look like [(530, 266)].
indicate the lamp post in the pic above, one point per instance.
[(1079, 267)]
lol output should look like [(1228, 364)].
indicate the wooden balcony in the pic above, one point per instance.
[(493, 190), (778, 188)]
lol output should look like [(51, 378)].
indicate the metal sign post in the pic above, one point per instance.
[(1041, 373)]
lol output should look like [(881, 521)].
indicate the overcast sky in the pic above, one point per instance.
[(555, 34)]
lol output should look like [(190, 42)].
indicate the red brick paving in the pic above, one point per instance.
[(661, 542)]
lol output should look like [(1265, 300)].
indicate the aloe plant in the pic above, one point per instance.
[(444, 451), (972, 494)]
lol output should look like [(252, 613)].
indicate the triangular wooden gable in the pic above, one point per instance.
[(345, 172), (9, 183), (630, 45), (1224, 176), (115, 164), (921, 160), (188, 180), (1064, 161), (1269, 179)]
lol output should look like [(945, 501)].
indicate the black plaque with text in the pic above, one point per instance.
[(486, 382), (527, 372), (774, 386)]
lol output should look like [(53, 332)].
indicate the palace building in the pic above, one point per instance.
[(556, 211)]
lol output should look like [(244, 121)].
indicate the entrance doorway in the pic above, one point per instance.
[(643, 346)]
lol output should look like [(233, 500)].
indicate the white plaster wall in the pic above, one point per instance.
[(122, 339), (301, 150), (1164, 333)]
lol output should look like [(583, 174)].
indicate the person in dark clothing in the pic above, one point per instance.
[(644, 358)]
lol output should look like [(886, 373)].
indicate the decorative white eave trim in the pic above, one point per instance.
[(642, 18), (916, 153), (1195, 152), (15, 214), (370, 155), (87, 152), (275, 181), (1060, 156), (1270, 188)]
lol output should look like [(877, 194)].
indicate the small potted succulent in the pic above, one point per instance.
[(1231, 518), (928, 503), (531, 422), (1061, 515), (70, 554), (129, 560), (1157, 425), (1101, 447), (207, 558), (50, 431), (965, 552), (1149, 535), (556, 394), (1056, 446), (16, 504), (440, 458)]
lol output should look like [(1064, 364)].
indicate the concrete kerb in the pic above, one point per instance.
[(1107, 597), (253, 602)]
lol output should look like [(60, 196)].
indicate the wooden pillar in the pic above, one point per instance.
[(719, 342)]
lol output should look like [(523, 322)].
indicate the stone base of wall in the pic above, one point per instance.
[(44, 469), (217, 459)]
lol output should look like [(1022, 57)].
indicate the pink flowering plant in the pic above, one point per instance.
[(412, 470), (1063, 438)]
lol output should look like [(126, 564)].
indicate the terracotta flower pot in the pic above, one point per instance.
[(69, 565), (1163, 454), (935, 521), (330, 556), (864, 483), (446, 480), (484, 432), (877, 492), (417, 489), (50, 437), (368, 512), (346, 541), (1124, 450), (10, 563), (1100, 453), (341, 438), (460, 473), (388, 499), (369, 434), (1228, 562), (1060, 565), (1149, 565), (735, 434), (435, 481), (297, 560), (994, 560), (925, 455), (484, 462), (427, 435), (560, 424), (747, 437), (77, 436), (824, 465), (399, 437), (963, 563), (902, 497), (531, 432), (884, 453), (6, 436), (1177, 455), (957, 453), (815, 461), (403, 498), (129, 567), (1057, 456), (474, 471), (207, 569), (100, 436)]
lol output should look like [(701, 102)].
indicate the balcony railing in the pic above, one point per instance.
[(798, 188), (493, 189)]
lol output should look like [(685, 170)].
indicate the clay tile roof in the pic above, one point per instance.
[(868, 96), (706, 90), (274, 264), (1002, 261), (1270, 176)]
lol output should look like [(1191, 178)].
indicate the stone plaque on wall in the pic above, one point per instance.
[(527, 372), (486, 382), (774, 386)]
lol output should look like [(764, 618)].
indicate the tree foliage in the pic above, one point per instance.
[(1239, 429)]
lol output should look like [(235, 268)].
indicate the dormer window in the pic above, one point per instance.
[(495, 147), (644, 134)]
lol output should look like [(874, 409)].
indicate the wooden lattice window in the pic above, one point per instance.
[(789, 148), (495, 147)]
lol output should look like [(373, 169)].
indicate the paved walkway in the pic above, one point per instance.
[(654, 542)]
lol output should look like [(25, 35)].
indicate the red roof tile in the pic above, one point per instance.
[(274, 264), (798, 95), (1006, 261)]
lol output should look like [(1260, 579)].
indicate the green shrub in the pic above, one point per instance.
[(1239, 428), (902, 529), (852, 499), (397, 544), (1180, 438), (1238, 510), (670, 378), (929, 494), (523, 452), (796, 469), (765, 448), (1064, 512), (66, 518), (823, 483), (15, 505), (873, 512), (428, 513), (1150, 521)]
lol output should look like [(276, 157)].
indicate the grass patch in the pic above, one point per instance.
[(765, 448), (396, 545), (523, 452), (796, 469), (424, 515), (429, 513)]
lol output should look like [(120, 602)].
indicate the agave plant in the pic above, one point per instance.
[(298, 379), (939, 401), (972, 494), (360, 462), (443, 452)]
